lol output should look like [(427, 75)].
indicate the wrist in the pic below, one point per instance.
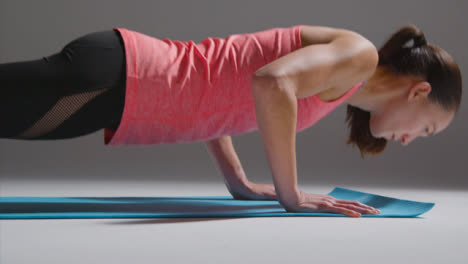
[(236, 179), (290, 199)]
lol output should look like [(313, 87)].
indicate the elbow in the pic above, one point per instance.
[(266, 72), (260, 79), (273, 100), (262, 84)]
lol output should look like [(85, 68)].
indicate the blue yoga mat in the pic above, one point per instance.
[(188, 206)]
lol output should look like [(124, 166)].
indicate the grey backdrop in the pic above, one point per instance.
[(32, 29)]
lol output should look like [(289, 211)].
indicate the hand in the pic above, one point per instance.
[(255, 191), (313, 203)]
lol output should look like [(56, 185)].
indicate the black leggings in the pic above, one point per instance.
[(74, 92)]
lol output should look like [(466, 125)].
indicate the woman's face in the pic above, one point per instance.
[(409, 116)]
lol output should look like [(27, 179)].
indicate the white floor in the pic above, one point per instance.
[(439, 236)]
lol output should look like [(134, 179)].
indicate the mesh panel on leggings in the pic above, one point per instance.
[(61, 111)]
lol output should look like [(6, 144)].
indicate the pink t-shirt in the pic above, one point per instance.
[(181, 91)]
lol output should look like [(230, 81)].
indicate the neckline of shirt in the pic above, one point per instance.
[(342, 97)]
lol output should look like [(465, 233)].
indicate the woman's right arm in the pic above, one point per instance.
[(347, 59)]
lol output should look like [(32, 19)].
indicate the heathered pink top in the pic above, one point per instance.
[(181, 91)]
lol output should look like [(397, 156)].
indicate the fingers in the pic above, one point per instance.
[(345, 211), (270, 191), (357, 209), (326, 207), (364, 209), (330, 206), (356, 205), (350, 208), (326, 203)]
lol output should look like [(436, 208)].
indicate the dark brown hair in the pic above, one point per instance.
[(421, 59)]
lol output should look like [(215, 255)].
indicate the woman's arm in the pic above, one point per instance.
[(345, 61), (223, 153)]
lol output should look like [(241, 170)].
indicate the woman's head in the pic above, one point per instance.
[(423, 86)]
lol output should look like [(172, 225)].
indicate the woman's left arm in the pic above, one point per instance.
[(223, 153)]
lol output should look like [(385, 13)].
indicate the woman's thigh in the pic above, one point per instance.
[(74, 92)]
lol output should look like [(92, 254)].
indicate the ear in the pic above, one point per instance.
[(420, 89)]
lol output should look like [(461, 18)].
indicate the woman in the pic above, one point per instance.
[(145, 90)]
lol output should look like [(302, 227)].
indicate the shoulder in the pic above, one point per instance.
[(315, 34), (312, 34), (364, 50), (364, 59)]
